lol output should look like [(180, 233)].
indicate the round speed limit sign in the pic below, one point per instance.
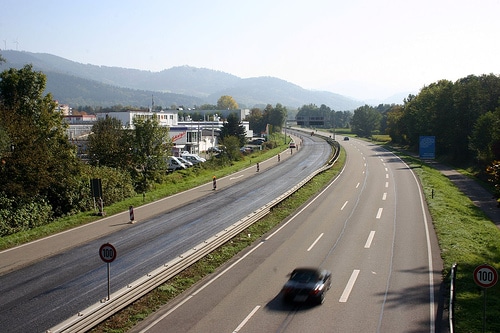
[(107, 252), (485, 276)]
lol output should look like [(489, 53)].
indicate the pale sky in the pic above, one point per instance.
[(358, 48)]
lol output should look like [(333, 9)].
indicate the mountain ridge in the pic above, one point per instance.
[(80, 84)]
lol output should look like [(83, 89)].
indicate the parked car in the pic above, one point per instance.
[(198, 157), (246, 150), (213, 150), (195, 159), (175, 164), (186, 162), (257, 142), (307, 284)]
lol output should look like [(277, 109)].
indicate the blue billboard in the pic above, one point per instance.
[(427, 147)]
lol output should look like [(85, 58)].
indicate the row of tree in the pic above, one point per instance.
[(464, 117), (329, 118)]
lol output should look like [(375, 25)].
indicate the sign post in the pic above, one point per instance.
[(485, 276), (107, 252)]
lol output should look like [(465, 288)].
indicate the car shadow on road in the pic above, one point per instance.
[(278, 305)]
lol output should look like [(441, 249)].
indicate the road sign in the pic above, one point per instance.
[(485, 276), (107, 252)]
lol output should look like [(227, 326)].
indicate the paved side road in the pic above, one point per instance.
[(478, 194), (26, 254)]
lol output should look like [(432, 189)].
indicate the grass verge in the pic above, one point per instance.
[(174, 183), (467, 237), (139, 310)]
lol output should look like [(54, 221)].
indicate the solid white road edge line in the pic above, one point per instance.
[(349, 286), (197, 291), (432, 314)]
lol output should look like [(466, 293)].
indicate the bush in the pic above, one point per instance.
[(116, 186), (16, 216)]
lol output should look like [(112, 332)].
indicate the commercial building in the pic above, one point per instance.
[(193, 136)]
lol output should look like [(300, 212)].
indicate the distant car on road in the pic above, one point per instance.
[(346, 138), (307, 284), (293, 145)]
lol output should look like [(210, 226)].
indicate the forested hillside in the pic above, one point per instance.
[(79, 85)]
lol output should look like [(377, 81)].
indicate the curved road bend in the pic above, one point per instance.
[(40, 295), (370, 227)]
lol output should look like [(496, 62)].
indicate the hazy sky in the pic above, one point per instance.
[(359, 48)]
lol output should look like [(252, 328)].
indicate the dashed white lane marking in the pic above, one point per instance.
[(314, 243), (349, 286), (369, 240), (250, 315)]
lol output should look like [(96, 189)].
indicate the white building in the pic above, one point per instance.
[(193, 136), (166, 118)]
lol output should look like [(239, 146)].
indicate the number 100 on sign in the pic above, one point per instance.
[(485, 276), (107, 252)]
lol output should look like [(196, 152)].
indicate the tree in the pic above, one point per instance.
[(311, 115), (365, 120), (208, 107), (226, 103), (256, 120), (150, 146), (233, 127), (40, 161), (276, 117), (393, 124), (485, 138), (493, 170), (232, 146), (4, 144), (109, 144)]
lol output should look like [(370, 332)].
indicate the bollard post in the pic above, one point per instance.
[(131, 213)]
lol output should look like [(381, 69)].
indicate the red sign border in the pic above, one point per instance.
[(495, 275), (100, 253)]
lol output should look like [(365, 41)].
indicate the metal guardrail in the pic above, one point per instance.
[(96, 313)]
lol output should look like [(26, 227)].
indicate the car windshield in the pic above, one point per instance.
[(304, 276)]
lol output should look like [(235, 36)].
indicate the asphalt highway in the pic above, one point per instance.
[(47, 281), (370, 228)]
